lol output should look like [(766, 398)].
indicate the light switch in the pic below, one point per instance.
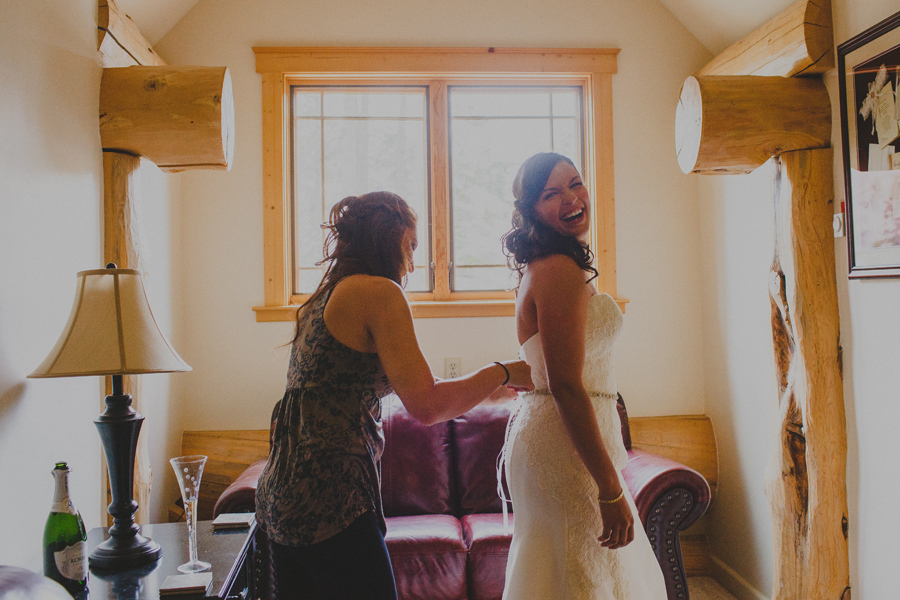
[(838, 225)]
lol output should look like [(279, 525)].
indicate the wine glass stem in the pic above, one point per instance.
[(190, 512)]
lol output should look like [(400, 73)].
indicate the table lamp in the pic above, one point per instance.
[(111, 331)]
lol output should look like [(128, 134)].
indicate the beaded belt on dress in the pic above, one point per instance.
[(502, 462), (546, 392)]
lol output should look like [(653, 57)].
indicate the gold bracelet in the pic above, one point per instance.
[(616, 499)]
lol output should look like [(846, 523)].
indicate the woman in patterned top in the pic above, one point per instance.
[(319, 497)]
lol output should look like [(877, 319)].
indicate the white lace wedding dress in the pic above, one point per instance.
[(555, 553)]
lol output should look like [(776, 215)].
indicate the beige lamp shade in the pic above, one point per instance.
[(111, 331)]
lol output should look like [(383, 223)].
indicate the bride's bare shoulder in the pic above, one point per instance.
[(556, 269)]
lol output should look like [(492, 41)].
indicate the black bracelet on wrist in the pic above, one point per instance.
[(505, 370)]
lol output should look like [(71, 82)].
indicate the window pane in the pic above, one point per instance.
[(339, 157), (485, 154), (307, 104), (567, 139), (373, 105), (566, 104), (308, 279), (420, 279), (308, 210), (513, 103), (366, 156)]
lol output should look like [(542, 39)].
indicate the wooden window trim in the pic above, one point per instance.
[(591, 68)]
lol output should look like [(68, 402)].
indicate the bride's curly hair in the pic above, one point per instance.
[(365, 234), (530, 239)]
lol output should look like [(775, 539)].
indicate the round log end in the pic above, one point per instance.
[(227, 119), (178, 117), (688, 124), (734, 124)]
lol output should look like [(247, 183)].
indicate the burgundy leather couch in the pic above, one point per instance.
[(445, 524)]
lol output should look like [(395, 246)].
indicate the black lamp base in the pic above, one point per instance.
[(113, 554), (119, 426)]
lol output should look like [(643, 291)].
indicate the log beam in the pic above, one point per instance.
[(119, 41), (797, 42), (121, 241), (178, 117), (806, 481), (733, 124)]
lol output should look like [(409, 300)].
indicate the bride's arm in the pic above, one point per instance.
[(561, 300)]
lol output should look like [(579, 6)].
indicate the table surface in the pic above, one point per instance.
[(221, 549)]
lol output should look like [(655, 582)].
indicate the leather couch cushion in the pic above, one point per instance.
[(428, 556), (479, 437), (416, 464), (488, 543), (240, 496)]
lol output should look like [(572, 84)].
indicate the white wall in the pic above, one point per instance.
[(736, 231), (51, 227), (240, 371), (736, 223), (870, 329)]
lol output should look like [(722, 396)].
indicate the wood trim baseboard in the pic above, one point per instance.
[(729, 579)]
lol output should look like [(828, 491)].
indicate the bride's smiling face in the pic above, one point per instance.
[(564, 204)]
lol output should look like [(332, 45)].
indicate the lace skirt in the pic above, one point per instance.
[(555, 552)]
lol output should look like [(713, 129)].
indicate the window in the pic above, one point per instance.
[(447, 130)]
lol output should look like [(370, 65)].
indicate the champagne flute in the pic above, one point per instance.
[(188, 471)]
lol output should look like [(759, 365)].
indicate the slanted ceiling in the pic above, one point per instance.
[(719, 23), (715, 23), (155, 18)]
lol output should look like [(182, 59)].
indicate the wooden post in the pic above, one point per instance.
[(121, 241), (806, 483)]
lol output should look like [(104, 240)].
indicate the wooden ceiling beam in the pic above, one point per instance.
[(119, 41), (733, 124), (797, 42), (178, 117)]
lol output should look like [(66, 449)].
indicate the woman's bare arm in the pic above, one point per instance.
[(388, 319), (561, 299)]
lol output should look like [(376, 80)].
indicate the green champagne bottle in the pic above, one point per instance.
[(65, 540)]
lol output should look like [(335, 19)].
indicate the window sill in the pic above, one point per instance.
[(422, 309)]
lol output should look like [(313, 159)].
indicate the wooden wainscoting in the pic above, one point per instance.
[(688, 439)]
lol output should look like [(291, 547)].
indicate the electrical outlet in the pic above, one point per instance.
[(452, 368)]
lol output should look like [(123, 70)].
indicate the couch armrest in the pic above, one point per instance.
[(240, 496), (650, 476), (669, 497)]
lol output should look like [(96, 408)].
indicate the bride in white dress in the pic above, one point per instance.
[(574, 532)]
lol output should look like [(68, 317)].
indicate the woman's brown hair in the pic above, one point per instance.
[(530, 239), (364, 237)]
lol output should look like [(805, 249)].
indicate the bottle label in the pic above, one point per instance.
[(72, 561)]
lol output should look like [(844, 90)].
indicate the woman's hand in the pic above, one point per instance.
[(501, 395), (519, 376), (618, 524), (519, 381)]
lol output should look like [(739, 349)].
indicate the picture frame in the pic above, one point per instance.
[(869, 79)]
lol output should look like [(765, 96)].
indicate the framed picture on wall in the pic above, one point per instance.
[(869, 75)]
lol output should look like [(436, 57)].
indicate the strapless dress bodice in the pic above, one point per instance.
[(604, 321)]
